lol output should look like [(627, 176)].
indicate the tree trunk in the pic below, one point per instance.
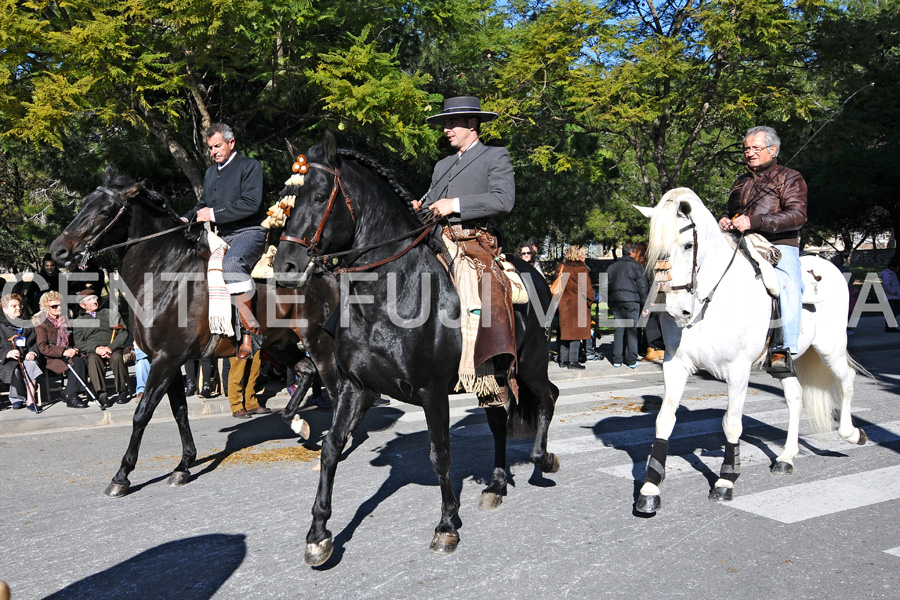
[(160, 129)]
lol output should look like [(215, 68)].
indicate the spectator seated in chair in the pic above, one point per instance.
[(18, 353), (100, 341), (55, 343)]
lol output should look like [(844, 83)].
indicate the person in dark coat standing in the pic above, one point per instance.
[(99, 340), (18, 352), (628, 289), (233, 200), (574, 307)]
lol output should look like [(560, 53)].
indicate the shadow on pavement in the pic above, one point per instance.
[(187, 569)]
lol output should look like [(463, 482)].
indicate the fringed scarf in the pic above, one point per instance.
[(62, 330)]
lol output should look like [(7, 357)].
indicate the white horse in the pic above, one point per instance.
[(717, 319)]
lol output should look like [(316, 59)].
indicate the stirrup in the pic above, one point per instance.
[(779, 363)]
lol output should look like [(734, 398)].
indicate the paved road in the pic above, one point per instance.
[(238, 529)]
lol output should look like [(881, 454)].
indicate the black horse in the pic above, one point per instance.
[(395, 334), (167, 276)]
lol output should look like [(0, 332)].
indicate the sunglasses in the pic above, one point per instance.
[(54, 306), (525, 253)]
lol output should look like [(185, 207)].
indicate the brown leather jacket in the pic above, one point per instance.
[(775, 200)]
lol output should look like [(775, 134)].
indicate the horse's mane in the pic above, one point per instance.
[(153, 201), (389, 175), (664, 228)]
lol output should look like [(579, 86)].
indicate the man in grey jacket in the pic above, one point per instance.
[(469, 188)]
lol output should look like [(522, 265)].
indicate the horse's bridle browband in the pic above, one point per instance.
[(311, 245)]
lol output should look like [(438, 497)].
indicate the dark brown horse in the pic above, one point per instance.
[(396, 334), (167, 276)]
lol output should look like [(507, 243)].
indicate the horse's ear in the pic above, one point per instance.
[(329, 147), (684, 208), (132, 190), (647, 211), (108, 176), (292, 151)]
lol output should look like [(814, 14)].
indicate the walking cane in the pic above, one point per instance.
[(84, 386)]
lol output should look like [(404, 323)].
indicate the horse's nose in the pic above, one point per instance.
[(59, 253)]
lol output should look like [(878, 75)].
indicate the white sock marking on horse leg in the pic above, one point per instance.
[(650, 489)]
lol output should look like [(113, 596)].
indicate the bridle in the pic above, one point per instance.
[(123, 207), (663, 277), (302, 167), (312, 245)]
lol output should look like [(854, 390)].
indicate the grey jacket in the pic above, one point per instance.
[(483, 180)]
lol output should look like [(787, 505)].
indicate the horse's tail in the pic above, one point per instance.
[(821, 389), (523, 415)]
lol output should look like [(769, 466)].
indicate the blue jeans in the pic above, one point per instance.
[(790, 299), (141, 370)]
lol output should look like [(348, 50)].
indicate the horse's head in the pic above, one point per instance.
[(678, 224), (322, 218), (101, 220)]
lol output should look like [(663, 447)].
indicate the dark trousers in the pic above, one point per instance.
[(72, 385), (568, 351), (625, 336), (96, 367)]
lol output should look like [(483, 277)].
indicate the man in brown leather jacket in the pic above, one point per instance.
[(770, 199)]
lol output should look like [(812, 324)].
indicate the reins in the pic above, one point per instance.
[(123, 206), (662, 266), (311, 245)]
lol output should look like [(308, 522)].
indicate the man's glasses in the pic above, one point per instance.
[(754, 149)]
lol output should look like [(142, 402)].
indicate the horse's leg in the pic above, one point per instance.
[(437, 415), (723, 489), (161, 373), (793, 397), (492, 495), (178, 401), (306, 371), (649, 500), (546, 461), (349, 408)]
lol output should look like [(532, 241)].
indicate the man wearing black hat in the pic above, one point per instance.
[(476, 183), (469, 188)]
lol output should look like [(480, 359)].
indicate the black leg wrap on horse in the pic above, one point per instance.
[(731, 466), (656, 464)]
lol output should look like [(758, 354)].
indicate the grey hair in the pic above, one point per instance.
[(772, 138), (225, 130)]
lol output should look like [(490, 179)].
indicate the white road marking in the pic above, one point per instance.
[(751, 454), (818, 498), (894, 551)]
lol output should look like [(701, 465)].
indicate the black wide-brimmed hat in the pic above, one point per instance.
[(462, 106)]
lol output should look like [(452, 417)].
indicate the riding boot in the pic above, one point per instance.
[(249, 325), (208, 386)]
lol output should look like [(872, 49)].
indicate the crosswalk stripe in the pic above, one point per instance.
[(894, 551), (751, 454), (818, 498)]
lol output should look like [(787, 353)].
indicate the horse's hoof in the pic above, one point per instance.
[(863, 438), (782, 468), (721, 494), (317, 553), (554, 464), (490, 500), (178, 478), (300, 427), (444, 543), (117, 490), (648, 504)]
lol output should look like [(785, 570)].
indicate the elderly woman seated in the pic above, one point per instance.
[(55, 343), (18, 352)]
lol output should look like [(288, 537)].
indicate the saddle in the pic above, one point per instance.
[(488, 359)]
